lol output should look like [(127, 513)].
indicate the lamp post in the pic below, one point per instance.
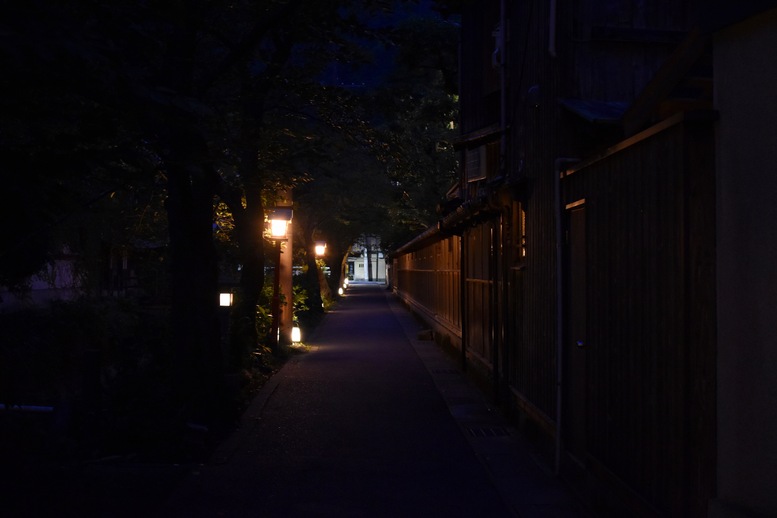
[(279, 220)]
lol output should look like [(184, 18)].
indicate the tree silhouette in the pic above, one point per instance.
[(138, 123)]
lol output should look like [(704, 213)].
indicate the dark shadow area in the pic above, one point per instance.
[(89, 418)]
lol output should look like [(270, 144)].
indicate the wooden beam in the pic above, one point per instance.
[(674, 70)]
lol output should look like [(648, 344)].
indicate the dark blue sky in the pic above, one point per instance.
[(375, 73)]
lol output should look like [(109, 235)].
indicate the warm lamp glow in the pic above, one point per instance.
[(278, 227), (340, 291), (320, 249), (225, 299), (296, 334), (279, 219)]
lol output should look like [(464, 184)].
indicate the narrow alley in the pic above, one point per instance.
[(372, 421)]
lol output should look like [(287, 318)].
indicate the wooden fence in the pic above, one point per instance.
[(638, 311), (649, 310)]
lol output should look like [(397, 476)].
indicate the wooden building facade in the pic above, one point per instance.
[(577, 274)]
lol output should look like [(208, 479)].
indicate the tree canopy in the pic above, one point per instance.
[(175, 124)]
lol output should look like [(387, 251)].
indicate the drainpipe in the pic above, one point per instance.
[(505, 335), (496, 233), (502, 86), (496, 341), (463, 296), (557, 165), (552, 29)]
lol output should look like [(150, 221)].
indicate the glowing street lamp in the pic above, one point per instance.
[(279, 219), (278, 222), (320, 248)]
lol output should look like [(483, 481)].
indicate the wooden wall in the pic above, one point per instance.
[(649, 384), (650, 348), (479, 293), (428, 280)]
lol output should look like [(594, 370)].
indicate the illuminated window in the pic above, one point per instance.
[(518, 233), (522, 230)]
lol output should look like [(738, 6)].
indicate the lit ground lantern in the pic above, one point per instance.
[(296, 334)]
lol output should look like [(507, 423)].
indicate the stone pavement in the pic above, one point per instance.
[(372, 422)]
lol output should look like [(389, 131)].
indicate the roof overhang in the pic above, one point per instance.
[(479, 136), (596, 112)]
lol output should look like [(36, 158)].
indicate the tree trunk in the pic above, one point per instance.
[(343, 268), (323, 284), (194, 287), (315, 273), (249, 228), (368, 263), (191, 184), (315, 297)]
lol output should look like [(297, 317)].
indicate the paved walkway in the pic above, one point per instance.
[(371, 422)]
